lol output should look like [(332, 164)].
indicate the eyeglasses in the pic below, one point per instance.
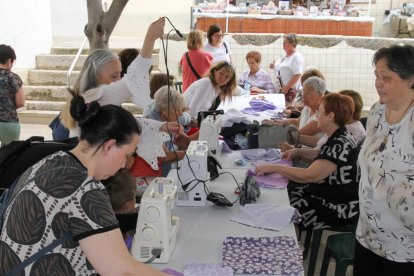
[(218, 35)]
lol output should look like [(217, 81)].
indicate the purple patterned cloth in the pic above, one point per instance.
[(273, 217), (271, 180), (265, 255), (203, 269)]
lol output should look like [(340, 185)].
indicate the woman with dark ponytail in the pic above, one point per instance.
[(62, 196)]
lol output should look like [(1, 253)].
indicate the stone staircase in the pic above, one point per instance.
[(46, 88)]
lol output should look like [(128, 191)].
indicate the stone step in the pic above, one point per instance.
[(45, 93), (64, 61), (85, 51), (55, 77), (51, 77), (43, 112)]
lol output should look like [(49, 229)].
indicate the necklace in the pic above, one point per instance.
[(389, 131)]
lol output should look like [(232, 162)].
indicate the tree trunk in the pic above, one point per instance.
[(100, 23)]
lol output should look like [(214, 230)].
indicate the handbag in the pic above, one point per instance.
[(271, 136), (291, 94)]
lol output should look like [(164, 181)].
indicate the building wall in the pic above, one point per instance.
[(28, 30)]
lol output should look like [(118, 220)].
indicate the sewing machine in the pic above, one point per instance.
[(209, 131), (156, 227), (192, 167)]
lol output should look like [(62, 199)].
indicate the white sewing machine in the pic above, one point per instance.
[(209, 131), (189, 169), (156, 227)]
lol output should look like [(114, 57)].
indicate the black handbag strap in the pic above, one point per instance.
[(225, 46), (191, 66)]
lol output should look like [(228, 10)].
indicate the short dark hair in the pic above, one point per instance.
[(6, 53), (212, 30), (126, 57), (121, 188), (99, 124), (400, 59)]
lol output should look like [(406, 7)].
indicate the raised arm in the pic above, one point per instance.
[(155, 31)]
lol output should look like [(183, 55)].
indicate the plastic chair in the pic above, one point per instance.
[(341, 248), (315, 236), (179, 86)]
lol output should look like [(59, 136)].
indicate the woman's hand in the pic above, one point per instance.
[(156, 29), (182, 141), (284, 146), (272, 65), (269, 168), (172, 128), (290, 154), (255, 89), (284, 89)]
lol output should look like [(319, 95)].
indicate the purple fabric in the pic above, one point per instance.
[(261, 105), (203, 269), (250, 111), (266, 255), (271, 180)]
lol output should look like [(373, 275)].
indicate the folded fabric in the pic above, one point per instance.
[(224, 147), (266, 216), (234, 116), (263, 255), (261, 154), (270, 180), (204, 269), (261, 105)]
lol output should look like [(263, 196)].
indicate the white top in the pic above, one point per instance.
[(134, 85), (386, 221), (286, 67), (356, 128), (218, 53), (200, 95), (306, 117)]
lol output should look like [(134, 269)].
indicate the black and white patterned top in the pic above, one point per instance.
[(10, 83), (386, 191), (54, 196)]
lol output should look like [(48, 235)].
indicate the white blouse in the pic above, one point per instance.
[(386, 222), (134, 85), (200, 95)]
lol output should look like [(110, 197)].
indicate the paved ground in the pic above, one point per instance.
[(28, 130)]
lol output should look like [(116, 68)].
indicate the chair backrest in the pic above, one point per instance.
[(363, 121), (178, 86)]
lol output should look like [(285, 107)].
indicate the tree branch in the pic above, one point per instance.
[(113, 14)]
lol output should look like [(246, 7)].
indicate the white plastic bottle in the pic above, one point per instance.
[(247, 88)]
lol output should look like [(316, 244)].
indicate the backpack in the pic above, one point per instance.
[(15, 158)]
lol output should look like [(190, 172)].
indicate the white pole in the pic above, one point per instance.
[(369, 8), (227, 17)]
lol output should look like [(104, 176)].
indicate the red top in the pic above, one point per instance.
[(201, 62)]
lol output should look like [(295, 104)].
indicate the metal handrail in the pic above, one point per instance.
[(75, 60)]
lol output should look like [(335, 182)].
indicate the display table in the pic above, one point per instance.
[(203, 229), (259, 23)]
